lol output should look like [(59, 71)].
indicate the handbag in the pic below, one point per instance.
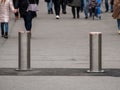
[(32, 7)]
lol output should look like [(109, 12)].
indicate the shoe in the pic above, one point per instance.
[(64, 12), (106, 11), (48, 11), (51, 11), (86, 17), (2, 35), (6, 37), (57, 17), (119, 32), (73, 17), (99, 17), (78, 16)]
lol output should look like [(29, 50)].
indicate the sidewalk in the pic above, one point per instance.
[(61, 45)]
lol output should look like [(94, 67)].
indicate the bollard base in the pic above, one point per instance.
[(90, 71), (23, 69)]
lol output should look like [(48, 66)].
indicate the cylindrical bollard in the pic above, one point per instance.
[(95, 52), (24, 44)]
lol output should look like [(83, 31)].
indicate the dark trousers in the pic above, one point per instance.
[(92, 11), (28, 20), (74, 9), (63, 4), (57, 6), (106, 5)]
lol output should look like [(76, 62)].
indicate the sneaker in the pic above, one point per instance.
[(57, 17)]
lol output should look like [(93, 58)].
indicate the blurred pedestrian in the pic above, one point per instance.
[(63, 5), (116, 13), (57, 8), (106, 6), (85, 7), (5, 6), (111, 5), (75, 7), (49, 6), (27, 15)]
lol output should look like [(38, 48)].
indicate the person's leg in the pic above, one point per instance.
[(118, 24), (73, 11), (85, 8), (51, 6), (106, 6), (78, 11), (57, 8), (63, 3), (28, 21), (2, 29), (6, 30), (48, 7)]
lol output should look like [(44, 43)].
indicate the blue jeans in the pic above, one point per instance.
[(4, 27), (85, 3), (28, 20), (106, 5), (118, 24), (49, 5)]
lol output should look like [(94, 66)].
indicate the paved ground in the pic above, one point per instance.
[(59, 49)]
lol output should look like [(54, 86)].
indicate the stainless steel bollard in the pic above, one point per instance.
[(24, 44), (95, 52)]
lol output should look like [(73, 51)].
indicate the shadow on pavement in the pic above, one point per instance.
[(58, 72)]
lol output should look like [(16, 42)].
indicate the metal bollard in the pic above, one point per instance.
[(95, 52), (24, 45)]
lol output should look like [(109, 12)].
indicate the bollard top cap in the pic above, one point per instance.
[(96, 33)]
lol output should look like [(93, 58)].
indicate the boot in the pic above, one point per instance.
[(6, 35)]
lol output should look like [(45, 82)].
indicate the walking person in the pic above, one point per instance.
[(27, 15), (49, 6), (75, 7), (5, 6), (116, 13), (57, 8)]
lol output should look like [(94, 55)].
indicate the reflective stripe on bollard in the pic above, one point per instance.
[(24, 44), (95, 52)]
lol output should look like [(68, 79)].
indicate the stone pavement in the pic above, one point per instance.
[(60, 54)]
